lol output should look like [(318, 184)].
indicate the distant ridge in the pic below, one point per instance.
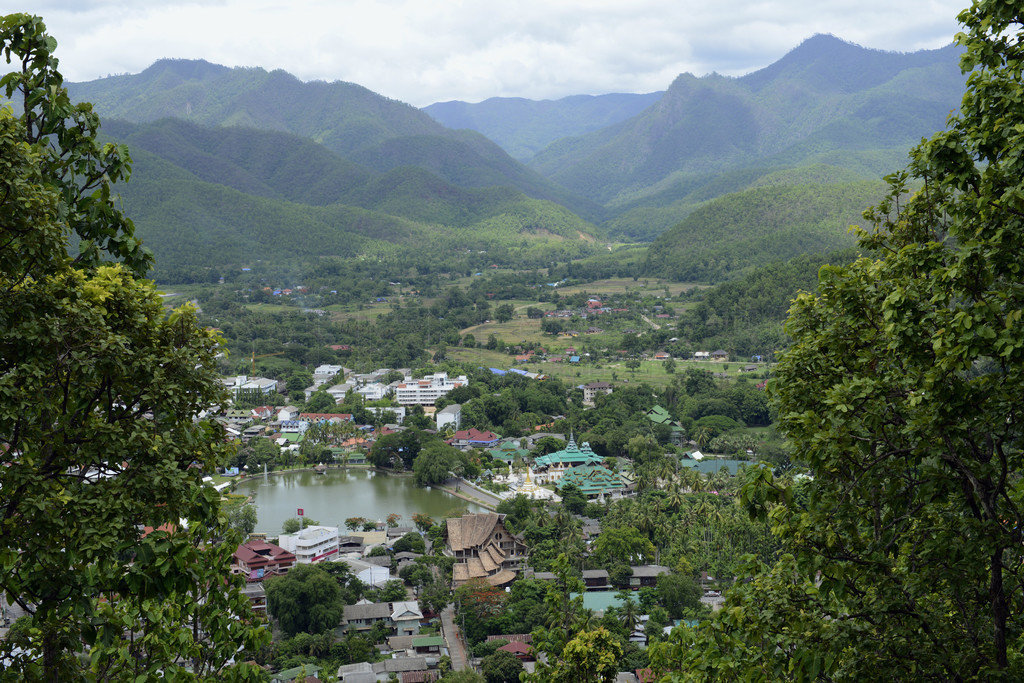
[(524, 127), (826, 101), (347, 119)]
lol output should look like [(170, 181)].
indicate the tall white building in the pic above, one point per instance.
[(313, 544), (427, 390)]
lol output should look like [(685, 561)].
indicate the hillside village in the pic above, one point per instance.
[(544, 471), (693, 387)]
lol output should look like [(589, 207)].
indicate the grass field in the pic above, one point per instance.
[(650, 371), (621, 285)]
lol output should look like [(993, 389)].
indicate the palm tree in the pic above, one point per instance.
[(676, 497), (703, 435), (629, 613)]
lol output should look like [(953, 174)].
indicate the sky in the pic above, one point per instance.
[(425, 51)]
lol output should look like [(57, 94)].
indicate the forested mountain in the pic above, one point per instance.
[(347, 119), (524, 127), (826, 102), (210, 197), (755, 227), (731, 173)]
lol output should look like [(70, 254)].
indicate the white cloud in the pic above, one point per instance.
[(422, 52)]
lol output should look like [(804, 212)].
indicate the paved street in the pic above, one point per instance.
[(456, 647), (466, 491)]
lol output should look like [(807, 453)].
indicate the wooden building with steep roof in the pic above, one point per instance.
[(483, 549)]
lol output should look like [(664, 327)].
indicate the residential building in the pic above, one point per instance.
[(325, 373), (596, 579), (426, 391), (677, 435), (256, 560), (474, 438), (646, 575), (312, 544), (593, 390), (401, 618), (374, 391), (449, 415), (257, 596), (363, 615), (483, 549)]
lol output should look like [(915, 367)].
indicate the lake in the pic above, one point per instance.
[(338, 494)]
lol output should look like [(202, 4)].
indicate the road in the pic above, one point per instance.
[(452, 638), (459, 488)]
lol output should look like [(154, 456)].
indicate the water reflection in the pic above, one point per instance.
[(338, 494)]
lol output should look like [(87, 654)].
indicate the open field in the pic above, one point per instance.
[(621, 285), (650, 371)]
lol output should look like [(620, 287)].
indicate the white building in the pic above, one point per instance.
[(397, 411), (449, 415), (240, 383), (373, 392), (339, 391), (312, 544), (427, 390), (324, 373)]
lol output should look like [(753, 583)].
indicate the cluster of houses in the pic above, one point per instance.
[(482, 548)]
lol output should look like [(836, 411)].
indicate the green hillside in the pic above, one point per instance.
[(826, 102), (218, 204), (755, 227), (346, 119)]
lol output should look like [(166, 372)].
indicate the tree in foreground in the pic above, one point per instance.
[(305, 600), (903, 395), (100, 390)]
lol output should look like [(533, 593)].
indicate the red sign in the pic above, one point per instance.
[(300, 512)]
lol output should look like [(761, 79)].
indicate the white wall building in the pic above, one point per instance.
[(427, 390), (312, 544), (373, 392), (449, 415)]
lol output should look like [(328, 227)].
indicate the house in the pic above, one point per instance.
[(312, 544), (596, 579), (340, 391), (302, 673), (483, 549), (374, 391), (474, 438), (388, 412), (263, 412), (593, 390), (287, 413), (677, 435), (662, 355), (256, 560), (522, 651), (719, 355), (702, 355), (449, 415), (427, 645), (256, 385), (405, 618), (646, 575), (324, 373), (363, 615), (257, 596)]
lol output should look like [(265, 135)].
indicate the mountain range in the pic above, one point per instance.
[(271, 155)]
